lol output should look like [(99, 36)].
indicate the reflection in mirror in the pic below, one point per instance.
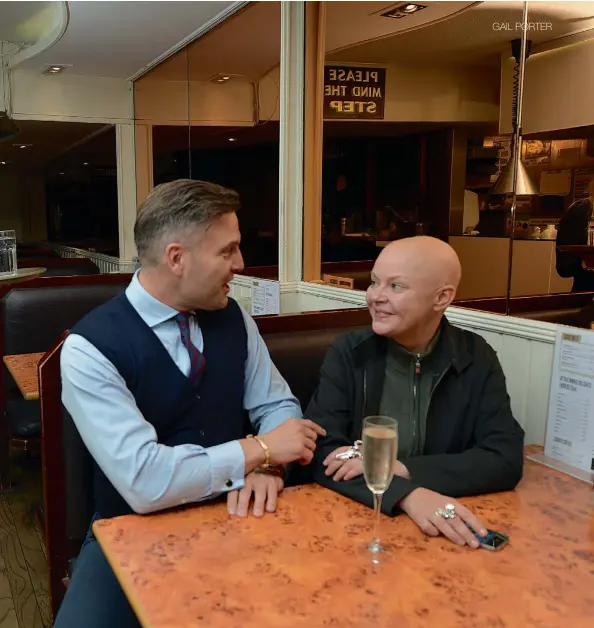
[(59, 184), (161, 117), (408, 106), (425, 156), (555, 166), (234, 120), (211, 112)]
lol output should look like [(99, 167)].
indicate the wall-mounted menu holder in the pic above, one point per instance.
[(265, 297), (569, 441)]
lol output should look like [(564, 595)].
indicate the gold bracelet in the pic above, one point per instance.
[(266, 449)]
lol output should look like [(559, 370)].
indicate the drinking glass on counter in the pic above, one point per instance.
[(8, 253), (380, 449)]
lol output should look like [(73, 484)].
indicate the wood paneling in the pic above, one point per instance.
[(313, 138)]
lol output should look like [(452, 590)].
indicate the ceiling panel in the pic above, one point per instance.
[(118, 39)]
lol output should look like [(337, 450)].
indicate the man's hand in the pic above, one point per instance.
[(342, 469), (421, 506), (265, 487), (295, 439), (349, 469)]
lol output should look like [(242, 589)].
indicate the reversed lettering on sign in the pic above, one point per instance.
[(354, 93)]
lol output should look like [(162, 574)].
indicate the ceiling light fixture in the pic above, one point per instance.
[(403, 10), (22, 145), (220, 78), (225, 77), (233, 139), (56, 69)]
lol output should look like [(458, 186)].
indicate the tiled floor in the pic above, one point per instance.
[(24, 583)]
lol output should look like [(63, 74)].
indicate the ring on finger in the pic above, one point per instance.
[(449, 512)]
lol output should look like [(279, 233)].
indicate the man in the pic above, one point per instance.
[(444, 386), (158, 381), (573, 230)]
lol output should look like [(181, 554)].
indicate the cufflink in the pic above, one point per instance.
[(229, 483)]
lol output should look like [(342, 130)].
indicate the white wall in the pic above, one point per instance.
[(71, 98), (419, 94), (295, 296), (167, 102)]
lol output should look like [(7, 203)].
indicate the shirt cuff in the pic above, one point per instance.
[(227, 467)]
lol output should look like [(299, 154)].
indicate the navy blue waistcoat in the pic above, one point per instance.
[(209, 414)]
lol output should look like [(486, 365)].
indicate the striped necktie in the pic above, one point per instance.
[(197, 360)]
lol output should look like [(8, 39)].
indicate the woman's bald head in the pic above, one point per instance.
[(424, 259), (414, 280)]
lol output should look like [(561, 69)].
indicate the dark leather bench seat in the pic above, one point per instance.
[(23, 418), (33, 317)]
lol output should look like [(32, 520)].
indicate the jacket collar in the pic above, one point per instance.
[(449, 350)]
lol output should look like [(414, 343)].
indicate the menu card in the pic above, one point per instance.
[(570, 425), (265, 297)]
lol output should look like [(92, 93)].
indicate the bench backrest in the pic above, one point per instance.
[(34, 314)]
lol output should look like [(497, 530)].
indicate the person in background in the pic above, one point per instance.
[(444, 386), (158, 381), (573, 229)]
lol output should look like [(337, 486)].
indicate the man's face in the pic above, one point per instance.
[(399, 300), (210, 261)]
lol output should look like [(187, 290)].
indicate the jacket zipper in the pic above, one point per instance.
[(416, 405), (364, 391)]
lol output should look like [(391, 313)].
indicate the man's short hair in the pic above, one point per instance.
[(177, 207)]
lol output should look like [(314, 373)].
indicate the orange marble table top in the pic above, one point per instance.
[(301, 567), (23, 369)]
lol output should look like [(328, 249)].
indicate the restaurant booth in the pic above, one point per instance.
[(345, 126)]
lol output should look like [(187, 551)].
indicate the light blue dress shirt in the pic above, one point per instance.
[(151, 476)]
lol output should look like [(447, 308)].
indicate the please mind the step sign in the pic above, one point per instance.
[(354, 93)]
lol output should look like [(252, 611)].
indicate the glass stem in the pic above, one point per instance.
[(377, 504)]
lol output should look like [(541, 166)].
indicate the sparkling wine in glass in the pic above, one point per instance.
[(380, 448)]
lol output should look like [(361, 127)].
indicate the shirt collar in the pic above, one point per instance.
[(152, 311)]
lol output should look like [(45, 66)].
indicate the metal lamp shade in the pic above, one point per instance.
[(505, 183)]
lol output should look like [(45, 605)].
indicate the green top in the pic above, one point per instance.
[(408, 384)]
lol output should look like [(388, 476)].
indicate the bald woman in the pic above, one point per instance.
[(445, 387)]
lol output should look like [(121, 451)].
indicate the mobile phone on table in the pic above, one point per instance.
[(494, 541)]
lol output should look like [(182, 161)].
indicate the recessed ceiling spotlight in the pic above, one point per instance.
[(225, 77), (2, 163), (403, 10), (61, 173), (22, 145), (86, 163), (233, 139), (56, 69), (220, 78)]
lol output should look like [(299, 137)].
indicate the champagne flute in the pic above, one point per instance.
[(380, 448)]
